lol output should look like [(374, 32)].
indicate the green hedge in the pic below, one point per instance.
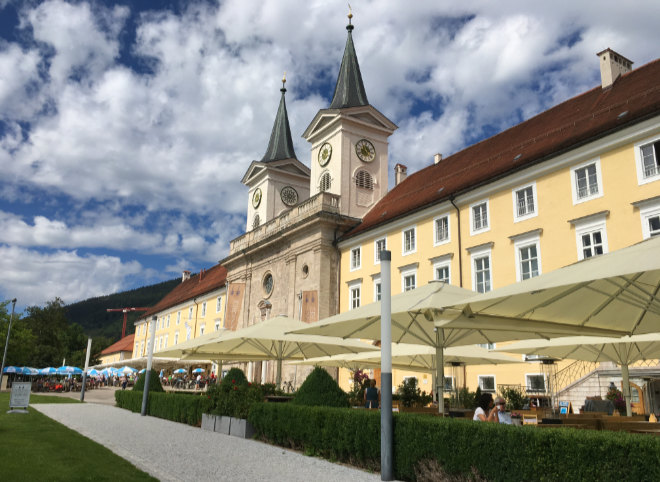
[(496, 452), (170, 406)]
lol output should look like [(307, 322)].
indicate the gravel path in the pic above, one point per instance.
[(177, 452)]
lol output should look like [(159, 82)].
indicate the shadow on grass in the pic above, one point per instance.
[(35, 447)]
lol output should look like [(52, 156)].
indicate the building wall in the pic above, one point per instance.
[(554, 223), (190, 324)]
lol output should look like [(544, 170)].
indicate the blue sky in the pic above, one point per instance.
[(125, 127)]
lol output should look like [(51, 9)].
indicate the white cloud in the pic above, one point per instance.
[(35, 278)]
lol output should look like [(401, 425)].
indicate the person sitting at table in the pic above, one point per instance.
[(502, 415), (485, 412)]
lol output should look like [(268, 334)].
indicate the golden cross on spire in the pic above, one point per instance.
[(350, 14), (284, 79)]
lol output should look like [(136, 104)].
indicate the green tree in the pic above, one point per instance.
[(21, 340)]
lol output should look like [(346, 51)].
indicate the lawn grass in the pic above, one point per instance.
[(35, 447)]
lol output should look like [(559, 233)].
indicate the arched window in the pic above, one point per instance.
[(364, 180), (256, 221), (324, 184)]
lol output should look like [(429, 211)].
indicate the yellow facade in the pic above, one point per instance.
[(114, 357), (556, 226), (182, 322)]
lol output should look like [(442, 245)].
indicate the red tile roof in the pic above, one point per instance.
[(634, 97), (125, 344), (199, 284)]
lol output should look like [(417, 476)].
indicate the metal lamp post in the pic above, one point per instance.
[(152, 340), (4, 357)]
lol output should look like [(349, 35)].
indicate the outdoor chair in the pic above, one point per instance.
[(530, 420)]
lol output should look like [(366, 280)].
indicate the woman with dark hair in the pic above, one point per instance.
[(485, 412)]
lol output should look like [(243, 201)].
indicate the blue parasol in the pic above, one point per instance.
[(67, 370), (11, 369), (127, 370), (48, 371), (198, 370), (142, 371), (93, 372), (179, 371)]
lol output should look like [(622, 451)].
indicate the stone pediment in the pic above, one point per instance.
[(289, 166), (364, 115)]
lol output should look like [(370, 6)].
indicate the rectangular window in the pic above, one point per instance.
[(487, 383), (379, 245), (441, 230), (592, 244), (168, 321), (586, 181), (356, 255), (137, 346), (535, 383), (442, 273), (166, 338), (529, 262), (178, 317), (650, 159), (202, 329), (482, 274), (449, 384), (176, 338), (409, 241), (525, 202), (142, 348), (479, 216), (203, 309), (654, 225), (409, 281), (217, 325), (354, 292), (190, 311), (377, 291), (218, 304)]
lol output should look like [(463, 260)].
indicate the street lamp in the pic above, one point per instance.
[(4, 357)]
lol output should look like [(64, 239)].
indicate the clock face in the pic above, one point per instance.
[(289, 196), (325, 153), (365, 150), (256, 198)]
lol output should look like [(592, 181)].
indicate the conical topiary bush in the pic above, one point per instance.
[(154, 382), (320, 389)]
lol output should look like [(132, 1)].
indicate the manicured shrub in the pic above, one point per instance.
[(429, 444), (233, 396), (170, 406), (234, 376), (154, 382), (320, 390)]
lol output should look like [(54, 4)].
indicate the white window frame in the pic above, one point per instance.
[(218, 304), (405, 274), (166, 339), (217, 325), (377, 286), (639, 161), (203, 309), (589, 226), (528, 384), (477, 254), (141, 348), (403, 240), (176, 338), (486, 228), (442, 262), (202, 329), (444, 382), (376, 251), (437, 242), (356, 258), (514, 194), (522, 242), (356, 285), (178, 317), (481, 377), (648, 210), (168, 320), (599, 181), (190, 312)]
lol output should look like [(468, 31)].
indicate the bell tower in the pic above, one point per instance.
[(350, 142)]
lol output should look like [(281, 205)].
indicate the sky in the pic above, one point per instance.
[(126, 127)]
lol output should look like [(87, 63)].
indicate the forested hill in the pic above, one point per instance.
[(91, 314)]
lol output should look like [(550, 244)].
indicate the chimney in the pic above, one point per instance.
[(185, 276), (437, 158), (612, 66), (400, 174)]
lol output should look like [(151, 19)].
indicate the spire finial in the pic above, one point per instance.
[(283, 89), (349, 27)]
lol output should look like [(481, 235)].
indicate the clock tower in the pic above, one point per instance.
[(349, 142), (279, 181)]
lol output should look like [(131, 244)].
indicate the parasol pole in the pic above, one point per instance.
[(152, 340), (84, 381), (4, 357)]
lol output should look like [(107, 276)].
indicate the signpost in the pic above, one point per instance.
[(20, 397)]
